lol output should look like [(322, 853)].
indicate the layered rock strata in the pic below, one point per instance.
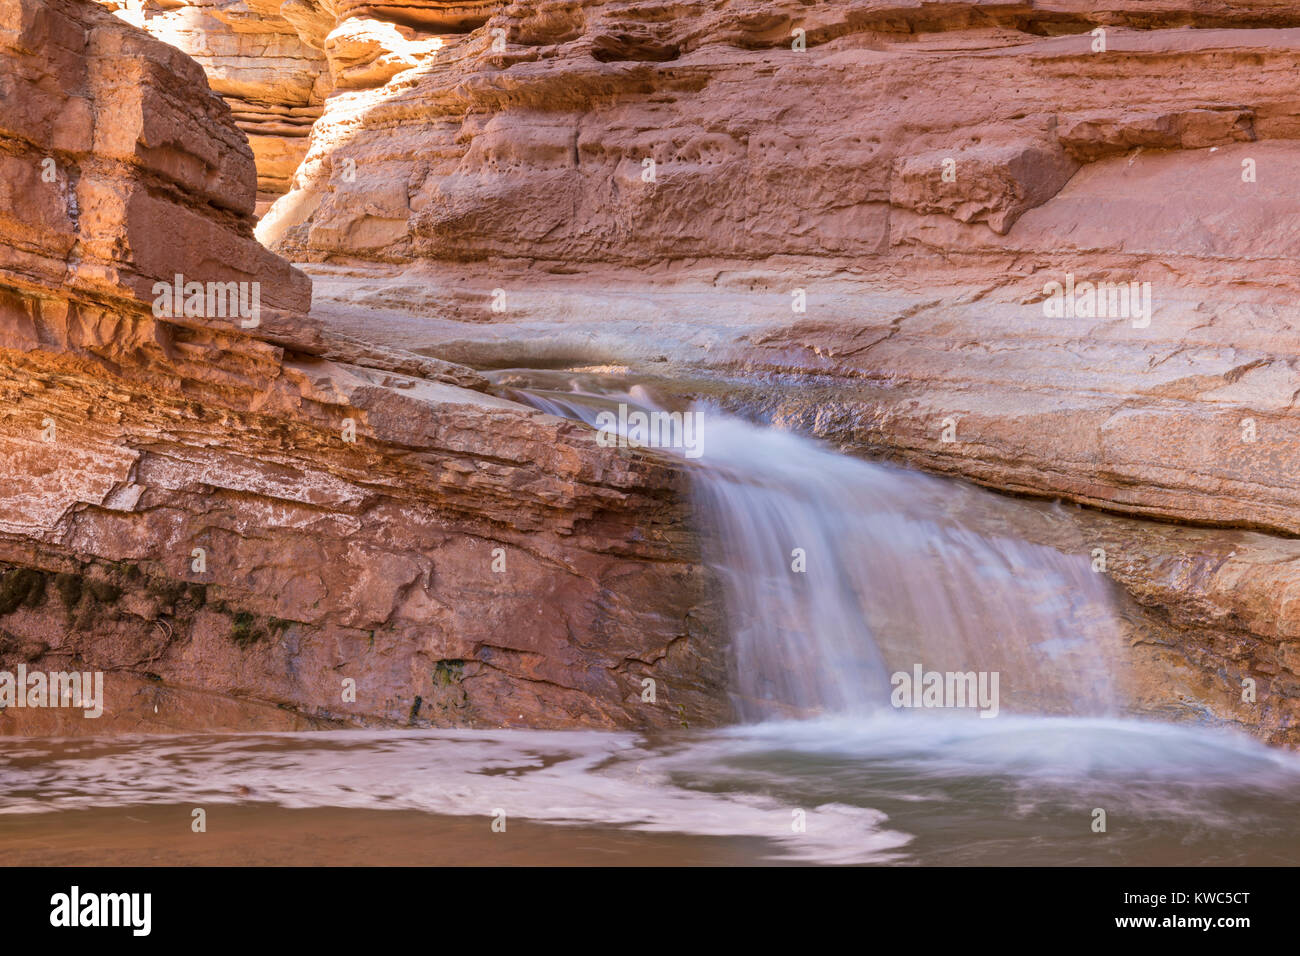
[(849, 217), (264, 57), (859, 219), (258, 522)]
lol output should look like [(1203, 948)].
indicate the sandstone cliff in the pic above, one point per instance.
[(668, 184), (243, 529), (922, 171), (265, 58), (845, 216)]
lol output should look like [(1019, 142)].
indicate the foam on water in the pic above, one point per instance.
[(1019, 774), (570, 778)]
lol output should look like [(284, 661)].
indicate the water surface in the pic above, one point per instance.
[(915, 788)]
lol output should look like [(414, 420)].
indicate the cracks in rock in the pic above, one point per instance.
[(513, 675), (1234, 374), (621, 667), (895, 326)]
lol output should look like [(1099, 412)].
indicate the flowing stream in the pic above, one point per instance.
[(838, 576)]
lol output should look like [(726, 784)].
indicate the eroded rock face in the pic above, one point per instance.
[(531, 128), (264, 57), (997, 183), (271, 524), (658, 183), (276, 61), (923, 174)]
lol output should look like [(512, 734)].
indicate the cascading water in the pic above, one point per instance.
[(838, 574)]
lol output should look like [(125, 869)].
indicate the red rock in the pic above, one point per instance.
[(324, 560), (437, 173)]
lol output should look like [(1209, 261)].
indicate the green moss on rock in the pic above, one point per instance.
[(21, 587), (69, 587), (244, 630)]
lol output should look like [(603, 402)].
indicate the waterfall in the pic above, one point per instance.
[(838, 574)]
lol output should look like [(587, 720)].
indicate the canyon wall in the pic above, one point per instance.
[(267, 61), (920, 171), (843, 216), (246, 520), (856, 211)]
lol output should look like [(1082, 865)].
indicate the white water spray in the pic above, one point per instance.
[(838, 573)]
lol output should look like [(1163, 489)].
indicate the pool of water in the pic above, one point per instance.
[(899, 789)]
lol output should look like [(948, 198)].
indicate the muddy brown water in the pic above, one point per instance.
[(896, 789)]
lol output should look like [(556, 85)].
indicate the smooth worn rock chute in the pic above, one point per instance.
[(268, 523)]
